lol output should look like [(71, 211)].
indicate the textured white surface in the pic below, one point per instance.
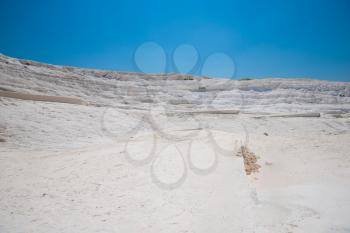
[(108, 166)]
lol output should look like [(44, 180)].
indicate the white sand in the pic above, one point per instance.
[(135, 160)]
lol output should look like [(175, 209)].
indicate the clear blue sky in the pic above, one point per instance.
[(291, 38)]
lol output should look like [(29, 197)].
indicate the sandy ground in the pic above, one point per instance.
[(144, 167)]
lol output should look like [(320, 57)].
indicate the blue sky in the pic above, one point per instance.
[(291, 38)]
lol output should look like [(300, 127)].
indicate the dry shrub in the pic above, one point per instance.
[(250, 160)]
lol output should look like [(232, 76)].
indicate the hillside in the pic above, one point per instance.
[(85, 150)]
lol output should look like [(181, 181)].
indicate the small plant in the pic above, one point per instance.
[(250, 160), (188, 77)]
